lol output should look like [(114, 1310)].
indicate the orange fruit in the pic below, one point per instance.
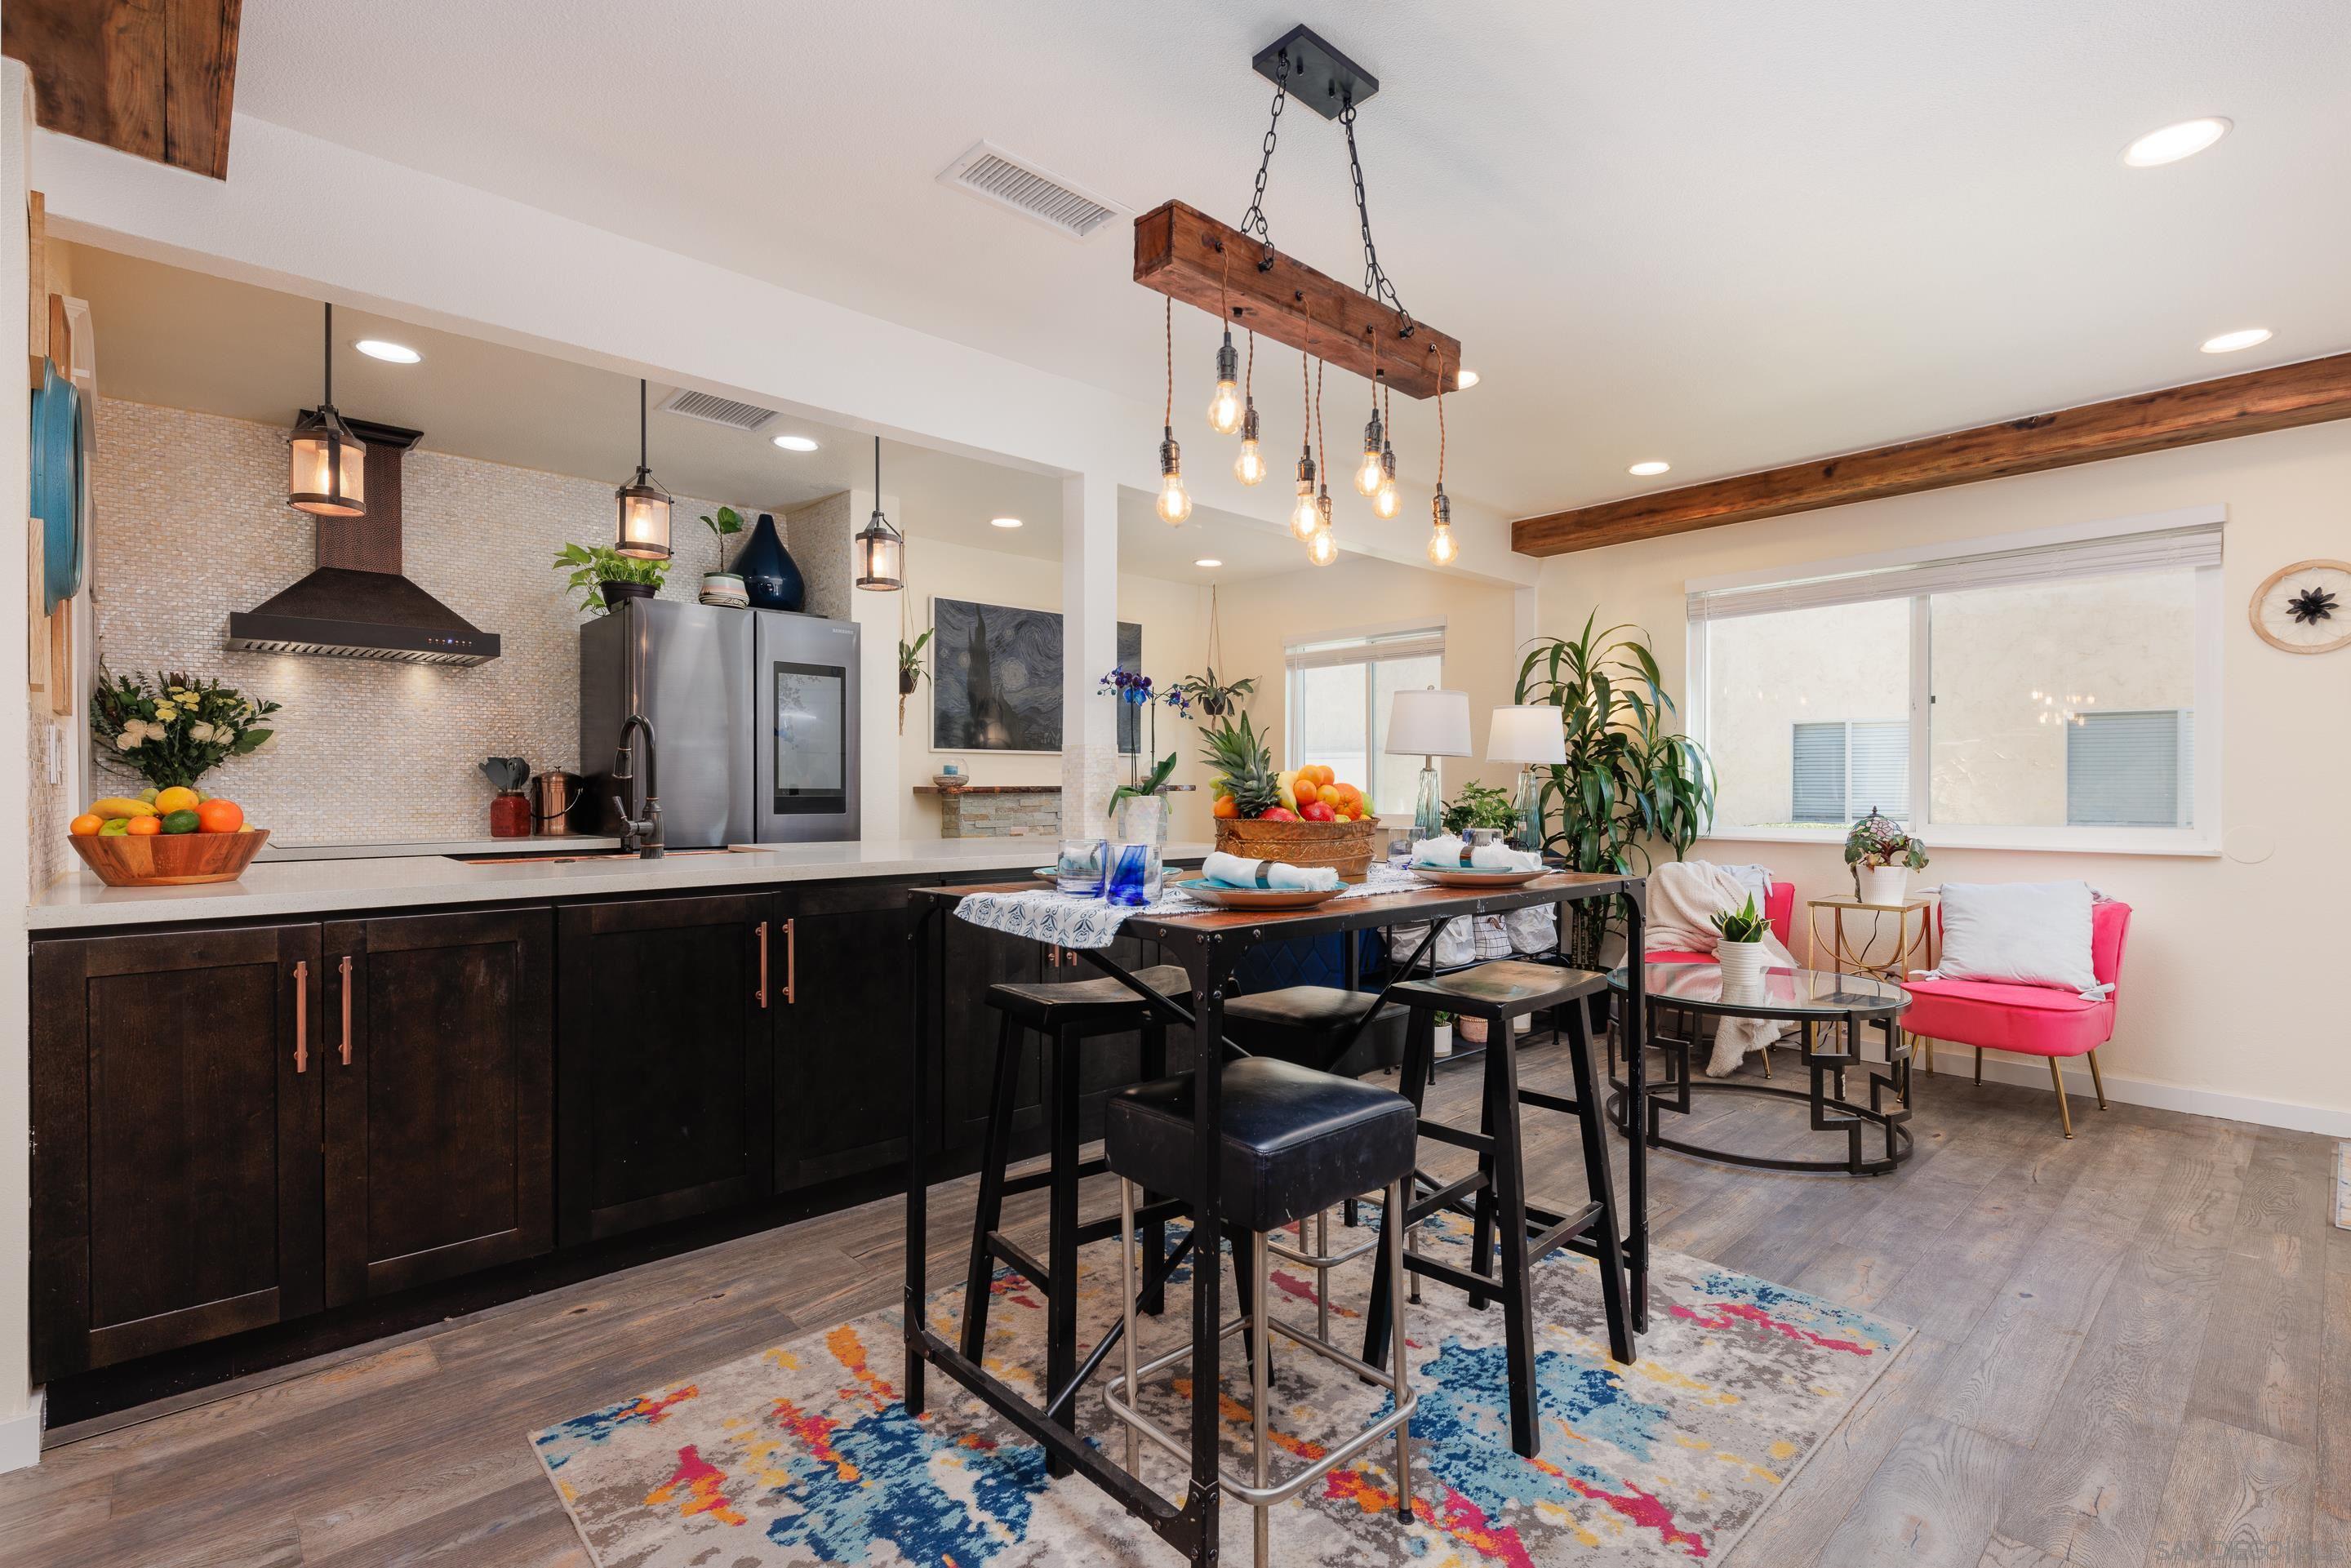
[(85, 825), (1226, 806), (145, 827), (219, 817), (1350, 795), (1329, 795), (1323, 774)]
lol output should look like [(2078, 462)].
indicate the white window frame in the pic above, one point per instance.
[(2210, 627), (1417, 638)]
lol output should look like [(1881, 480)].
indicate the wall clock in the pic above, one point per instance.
[(2305, 608)]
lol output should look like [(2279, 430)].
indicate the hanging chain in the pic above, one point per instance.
[(1253, 220), (1375, 279)]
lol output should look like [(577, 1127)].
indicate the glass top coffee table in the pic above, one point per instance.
[(1834, 1013)]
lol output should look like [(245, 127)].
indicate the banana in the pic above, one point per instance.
[(117, 806), (1285, 785)]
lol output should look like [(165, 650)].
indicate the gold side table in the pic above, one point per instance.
[(1858, 946)]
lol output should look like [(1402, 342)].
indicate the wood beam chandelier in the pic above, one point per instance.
[(1238, 276)]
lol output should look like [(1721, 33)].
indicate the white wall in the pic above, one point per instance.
[(2227, 1000)]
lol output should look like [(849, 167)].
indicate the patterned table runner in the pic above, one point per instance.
[(1076, 920)]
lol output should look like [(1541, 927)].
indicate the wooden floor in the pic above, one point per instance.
[(2133, 1348)]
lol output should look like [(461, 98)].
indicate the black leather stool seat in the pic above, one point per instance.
[(1502, 991), (1295, 1141), (1047, 1004), (1304, 1024)]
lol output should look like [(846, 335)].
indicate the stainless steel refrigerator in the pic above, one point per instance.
[(754, 714)]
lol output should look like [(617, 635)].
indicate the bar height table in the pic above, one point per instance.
[(1209, 945)]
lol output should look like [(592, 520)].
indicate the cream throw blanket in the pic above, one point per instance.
[(1682, 895)]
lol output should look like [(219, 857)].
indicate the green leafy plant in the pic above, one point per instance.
[(1879, 840), (724, 522), (910, 673), (1630, 779), (173, 728), (593, 566), (1217, 698), (1746, 924), (1480, 806), (1147, 785)]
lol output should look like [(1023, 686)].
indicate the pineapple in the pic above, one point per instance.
[(1243, 765)]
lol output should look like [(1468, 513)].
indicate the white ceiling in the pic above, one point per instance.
[(1728, 236)]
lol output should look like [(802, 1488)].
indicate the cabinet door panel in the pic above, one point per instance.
[(665, 1079), (440, 1143), (176, 1172), (840, 1044)]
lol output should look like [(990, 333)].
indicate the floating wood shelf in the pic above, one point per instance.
[(988, 790)]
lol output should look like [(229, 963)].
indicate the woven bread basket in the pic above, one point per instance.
[(1344, 847)]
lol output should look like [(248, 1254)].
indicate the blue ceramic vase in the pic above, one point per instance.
[(768, 573)]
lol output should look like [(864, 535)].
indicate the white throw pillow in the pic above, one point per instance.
[(2019, 933)]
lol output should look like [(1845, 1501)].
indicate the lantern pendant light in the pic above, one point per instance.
[(642, 530), (881, 549), (326, 476)]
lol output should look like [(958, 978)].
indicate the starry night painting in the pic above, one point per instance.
[(998, 685)]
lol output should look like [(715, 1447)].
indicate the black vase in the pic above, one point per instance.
[(768, 573)]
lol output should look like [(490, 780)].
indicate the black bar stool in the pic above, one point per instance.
[(1500, 993), (1310, 1026), (1295, 1142), (1067, 1013)]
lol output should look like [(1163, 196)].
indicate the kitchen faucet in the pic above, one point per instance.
[(640, 834)]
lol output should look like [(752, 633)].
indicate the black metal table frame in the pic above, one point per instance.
[(1830, 1109), (1209, 947)]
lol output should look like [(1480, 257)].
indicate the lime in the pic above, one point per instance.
[(180, 822)]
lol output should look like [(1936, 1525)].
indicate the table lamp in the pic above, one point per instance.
[(1535, 735), (1431, 724)]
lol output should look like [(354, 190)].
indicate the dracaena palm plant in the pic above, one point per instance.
[(1632, 780)]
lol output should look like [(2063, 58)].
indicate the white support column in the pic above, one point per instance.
[(880, 792), (1089, 648)]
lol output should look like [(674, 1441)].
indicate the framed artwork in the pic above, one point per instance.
[(996, 683)]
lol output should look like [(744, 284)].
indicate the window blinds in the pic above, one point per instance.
[(1416, 643), (2195, 546), (2130, 769)]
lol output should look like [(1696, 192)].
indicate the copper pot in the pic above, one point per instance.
[(554, 795)]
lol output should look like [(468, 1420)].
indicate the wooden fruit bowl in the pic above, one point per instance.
[(168, 859)]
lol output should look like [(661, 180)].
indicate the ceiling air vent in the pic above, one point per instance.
[(712, 410), (995, 175)]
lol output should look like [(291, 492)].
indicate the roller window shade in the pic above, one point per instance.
[(2131, 770), (1426, 642)]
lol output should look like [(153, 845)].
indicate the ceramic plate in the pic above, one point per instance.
[(1229, 897), (1467, 878)]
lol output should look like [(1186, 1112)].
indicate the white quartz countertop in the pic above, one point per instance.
[(270, 888)]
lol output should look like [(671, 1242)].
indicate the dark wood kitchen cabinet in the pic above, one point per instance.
[(438, 1066), (176, 1174), (664, 1081), (848, 1009)]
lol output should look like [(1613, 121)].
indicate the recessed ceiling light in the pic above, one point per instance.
[(396, 353), (795, 444), (1647, 469), (2173, 142), (2230, 342), (1207, 560), (1464, 380), (1003, 522)]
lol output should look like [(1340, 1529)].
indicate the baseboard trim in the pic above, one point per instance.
[(2028, 1072), (20, 1437)]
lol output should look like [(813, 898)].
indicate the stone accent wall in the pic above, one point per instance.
[(987, 815), (193, 524)]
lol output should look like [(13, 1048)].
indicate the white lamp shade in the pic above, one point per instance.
[(1429, 723), (1528, 732)]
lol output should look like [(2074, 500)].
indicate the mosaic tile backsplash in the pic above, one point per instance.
[(193, 524)]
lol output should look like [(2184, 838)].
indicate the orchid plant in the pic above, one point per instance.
[(1134, 689)]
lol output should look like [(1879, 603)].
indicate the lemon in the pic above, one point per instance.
[(178, 798)]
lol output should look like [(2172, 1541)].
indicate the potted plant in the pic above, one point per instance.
[(1882, 854), (720, 586), (1480, 806), (605, 576), (1217, 698), (1741, 952), (172, 728), (1442, 1024), (910, 673)]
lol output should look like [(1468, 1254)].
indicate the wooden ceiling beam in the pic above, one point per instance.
[(151, 77), (2279, 398), (1181, 251)]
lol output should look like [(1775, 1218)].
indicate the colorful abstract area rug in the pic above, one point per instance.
[(804, 1454)]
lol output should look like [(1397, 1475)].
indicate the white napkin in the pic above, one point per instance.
[(1501, 857), (1237, 872), (1443, 851)]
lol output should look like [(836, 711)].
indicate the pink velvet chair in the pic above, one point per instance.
[(1780, 909), (2029, 1021)]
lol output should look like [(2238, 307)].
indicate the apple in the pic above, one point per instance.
[(1278, 814), (1318, 811)]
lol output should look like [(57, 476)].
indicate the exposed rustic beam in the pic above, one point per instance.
[(154, 77), (2279, 398), (1184, 253)]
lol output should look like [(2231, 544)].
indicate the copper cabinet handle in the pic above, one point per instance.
[(301, 1015), (791, 961), (347, 1009), (761, 930)]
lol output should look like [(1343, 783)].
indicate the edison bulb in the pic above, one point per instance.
[(1249, 467), (1441, 547), (1174, 501), (1369, 472), (1224, 409), (1385, 502), (1322, 549), (1306, 517)]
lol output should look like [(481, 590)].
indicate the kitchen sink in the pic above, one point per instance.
[(571, 858)]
